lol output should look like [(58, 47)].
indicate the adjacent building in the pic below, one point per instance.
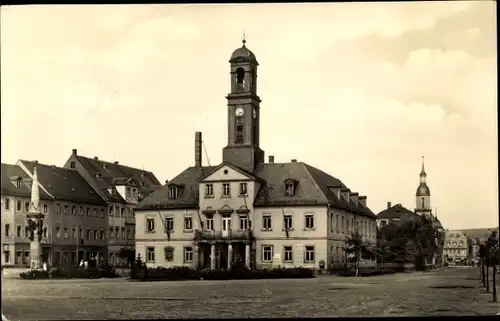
[(456, 247), (246, 210), (122, 187), (74, 223), (395, 214)]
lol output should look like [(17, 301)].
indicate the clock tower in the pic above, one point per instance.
[(243, 112)]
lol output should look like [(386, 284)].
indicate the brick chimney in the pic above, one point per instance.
[(74, 152), (271, 159), (362, 200), (197, 149), (116, 162), (354, 197), (96, 158), (388, 205), (294, 160)]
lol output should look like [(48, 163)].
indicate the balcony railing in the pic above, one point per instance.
[(222, 235)]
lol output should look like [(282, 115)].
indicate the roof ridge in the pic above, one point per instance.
[(113, 163), (307, 169)]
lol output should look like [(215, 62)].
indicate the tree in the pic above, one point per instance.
[(128, 254), (359, 248), (492, 255), (482, 255)]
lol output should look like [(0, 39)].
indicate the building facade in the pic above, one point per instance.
[(247, 211), (74, 223), (456, 248), (122, 187)]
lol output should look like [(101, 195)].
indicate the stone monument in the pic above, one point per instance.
[(35, 223)]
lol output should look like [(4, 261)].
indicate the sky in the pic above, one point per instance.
[(359, 90)]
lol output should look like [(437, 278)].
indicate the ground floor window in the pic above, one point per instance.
[(267, 253), (169, 253), (309, 255), (26, 258), (150, 254), (288, 254), (188, 254), (6, 256)]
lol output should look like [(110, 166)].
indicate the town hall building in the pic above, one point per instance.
[(246, 210)]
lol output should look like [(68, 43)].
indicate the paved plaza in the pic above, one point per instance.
[(452, 291)]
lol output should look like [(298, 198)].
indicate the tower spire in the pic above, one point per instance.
[(244, 40), (422, 172)]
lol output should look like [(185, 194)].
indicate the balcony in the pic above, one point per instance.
[(245, 235)]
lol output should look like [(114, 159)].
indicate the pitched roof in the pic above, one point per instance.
[(10, 172), (236, 168), (188, 195), (64, 184), (312, 188), (105, 174), (397, 211)]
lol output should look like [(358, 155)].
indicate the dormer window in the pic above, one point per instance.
[(18, 182), (173, 192), (290, 185)]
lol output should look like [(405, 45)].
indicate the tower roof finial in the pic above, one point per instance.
[(244, 41), (422, 172)]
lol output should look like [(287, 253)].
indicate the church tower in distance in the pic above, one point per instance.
[(243, 112), (423, 195)]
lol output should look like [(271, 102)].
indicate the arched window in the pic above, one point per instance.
[(240, 75)]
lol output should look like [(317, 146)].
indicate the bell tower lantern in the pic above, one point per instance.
[(243, 146)]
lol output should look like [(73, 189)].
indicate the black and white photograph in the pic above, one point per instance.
[(249, 160)]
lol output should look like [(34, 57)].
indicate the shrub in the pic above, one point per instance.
[(70, 272), (369, 272), (34, 274), (186, 273)]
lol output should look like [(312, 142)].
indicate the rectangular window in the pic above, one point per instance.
[(88, 212), (80, 234), (6, 256), (18, 231), (117, 233), (58, 232), (7, 204), (309, 255), (45, 209), (342, 227), (209, 190), (81, 210), (89, 234), (188, 254), (65, 209), (7, 230), (150, 225), (210, 222), (73, 210), (58, 209), (45, 233), (172, 193), (111, 232), (111, 210), (102, 212), (123, 233), (266, 222), (72, 165), (27, 206), (289, 189), (188, 223), (26, 231), (66, 233), (150, 254), (169, 224), (243, 189), (288, 254), (337, 221), (267, 253), (18, 206), (73, 233), (309, 224), (226, 190), (243, 222), (128, 192), (122, 212), (288, 223), (95, 212)]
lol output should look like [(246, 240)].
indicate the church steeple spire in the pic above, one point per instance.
[(422, 172)]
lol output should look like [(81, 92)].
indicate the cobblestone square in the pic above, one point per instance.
[(453, 291)]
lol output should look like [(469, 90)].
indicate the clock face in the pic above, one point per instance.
[(239, 112), (254, 114)]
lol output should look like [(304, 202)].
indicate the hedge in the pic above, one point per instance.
[(187, 273), (369, 272), (71, 272)]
